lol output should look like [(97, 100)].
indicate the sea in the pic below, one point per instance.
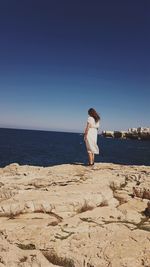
[(49, 148)]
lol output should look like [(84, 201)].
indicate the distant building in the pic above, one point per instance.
[(140, 133), (143, 130), (132, 130), (139, 130)]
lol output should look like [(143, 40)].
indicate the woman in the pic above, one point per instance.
[(90, 135)]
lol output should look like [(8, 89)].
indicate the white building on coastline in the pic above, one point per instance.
[(141, 133), (139, 130)]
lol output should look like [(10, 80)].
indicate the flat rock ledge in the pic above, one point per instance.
[(75, 216)]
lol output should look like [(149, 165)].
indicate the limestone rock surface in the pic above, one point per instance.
[(74, 216)]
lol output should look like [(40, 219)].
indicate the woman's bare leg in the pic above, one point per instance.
[(93, 158), (90, 155)]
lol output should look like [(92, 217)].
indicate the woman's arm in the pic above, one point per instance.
[(86, 131)]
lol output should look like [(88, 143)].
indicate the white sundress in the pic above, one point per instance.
[(91, 142)]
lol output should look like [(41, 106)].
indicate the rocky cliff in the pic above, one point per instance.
[(74, 216)]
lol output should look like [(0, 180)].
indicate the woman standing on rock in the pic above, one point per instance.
[(90, 135)]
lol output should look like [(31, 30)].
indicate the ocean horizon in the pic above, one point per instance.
[(48, 148)]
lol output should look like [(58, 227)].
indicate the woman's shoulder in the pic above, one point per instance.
[(90, 119)]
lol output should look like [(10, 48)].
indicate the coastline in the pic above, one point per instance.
[(59, 212)]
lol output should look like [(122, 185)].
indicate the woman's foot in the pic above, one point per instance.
[(91, 159), (90, 164)]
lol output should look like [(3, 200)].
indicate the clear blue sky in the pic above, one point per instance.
[(58, 58)]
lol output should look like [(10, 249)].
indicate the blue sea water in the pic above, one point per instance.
[(44, 148)]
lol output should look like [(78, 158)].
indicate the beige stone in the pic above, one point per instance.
[(74, 216)]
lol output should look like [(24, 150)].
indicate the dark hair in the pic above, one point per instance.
[(92, 112)]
